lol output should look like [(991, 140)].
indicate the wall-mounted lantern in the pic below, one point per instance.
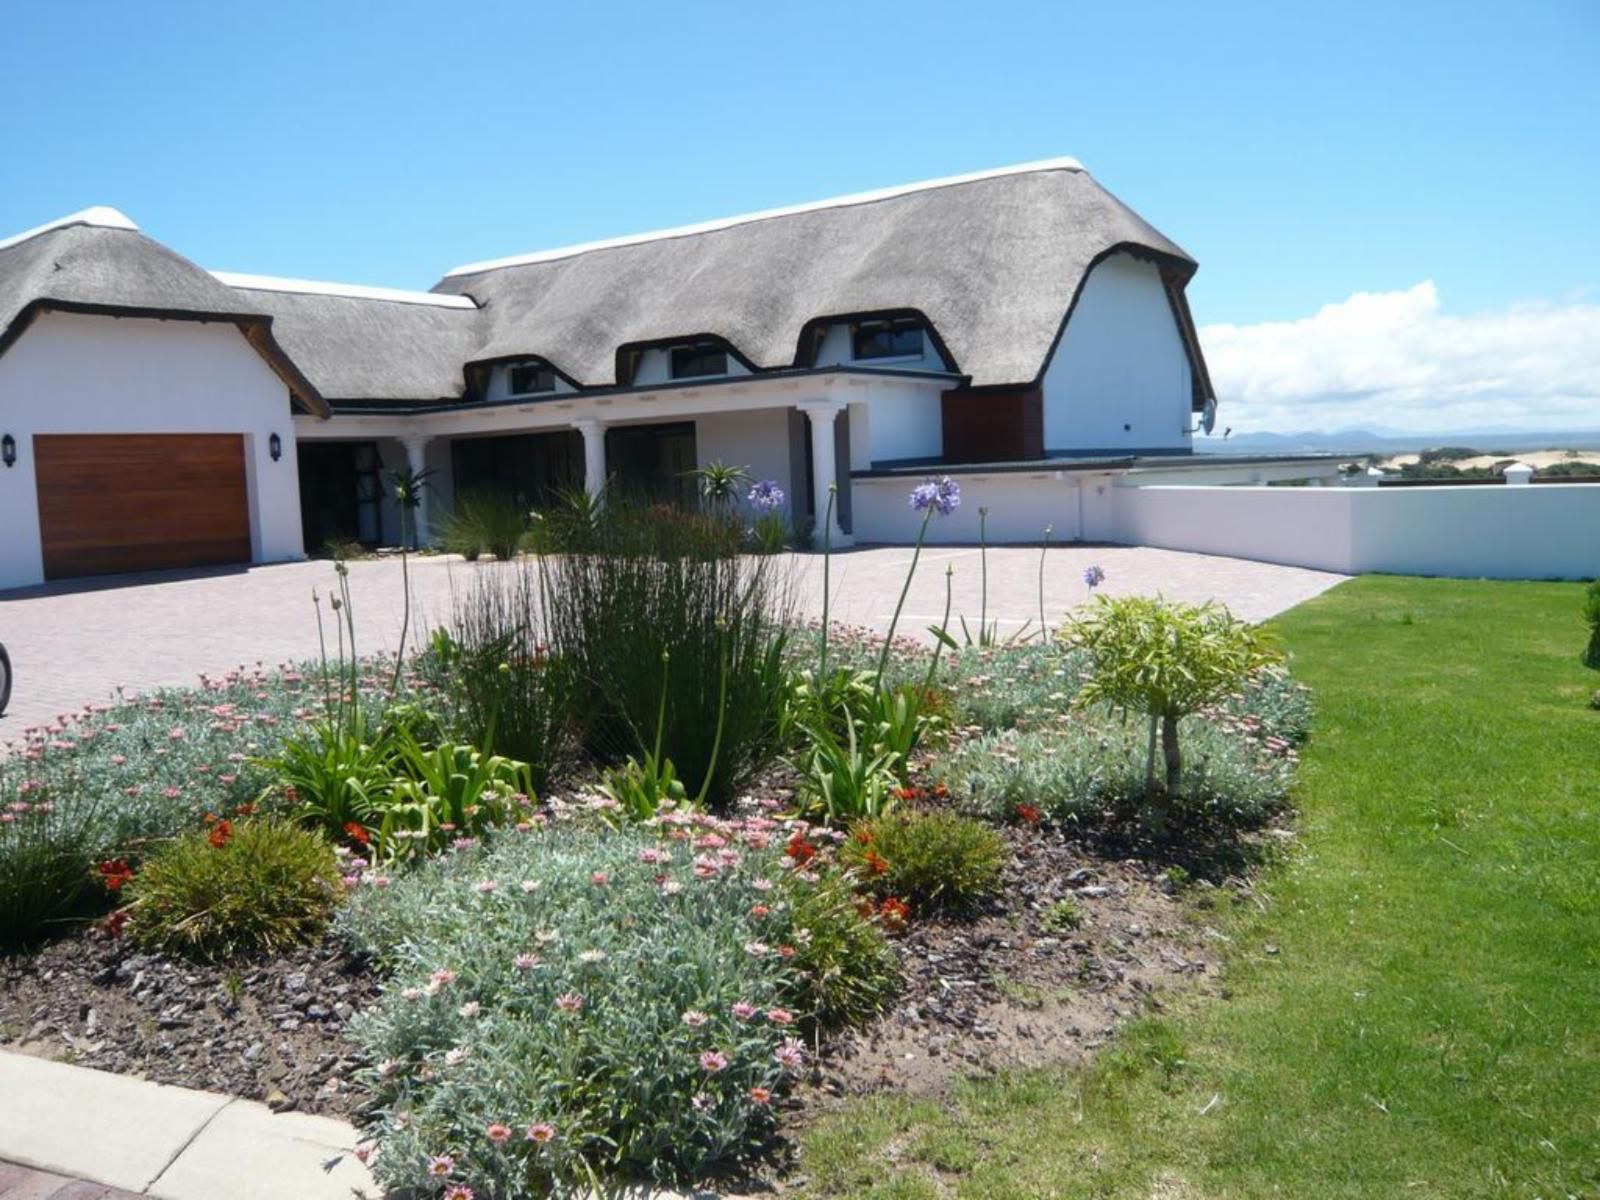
[(275, 447), (8, 450)]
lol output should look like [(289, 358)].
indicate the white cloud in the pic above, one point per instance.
[(1393, 359)]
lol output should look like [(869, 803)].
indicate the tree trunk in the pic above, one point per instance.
[(1174, 755), (1150, 761)]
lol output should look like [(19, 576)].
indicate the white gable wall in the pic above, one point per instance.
[(1119, 380), (76, 373)]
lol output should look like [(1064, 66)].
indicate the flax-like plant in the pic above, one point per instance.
[(720, 484), (407, 486), (1164, 660)]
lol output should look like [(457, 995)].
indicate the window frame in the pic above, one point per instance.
[(543, 370), (700, 350), (892, 326)]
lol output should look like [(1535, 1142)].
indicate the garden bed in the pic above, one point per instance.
[(627, 875)]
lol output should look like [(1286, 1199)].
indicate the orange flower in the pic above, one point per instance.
[(245, 810), (1028, 814), (114, 873), (220, 833), (864, 836), (893, 912), (800, 850), (358, 832), (876, 863)]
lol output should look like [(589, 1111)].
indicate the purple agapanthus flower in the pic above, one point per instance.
[(942, 494), (766, 495), (1094, 577)]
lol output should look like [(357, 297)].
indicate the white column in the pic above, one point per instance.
[(594, 455), (824, 466), (417, 459)]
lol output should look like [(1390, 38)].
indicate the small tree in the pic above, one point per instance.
[(1164, 660)]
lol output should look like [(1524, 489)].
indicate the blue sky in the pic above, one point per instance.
[(1304, 154)]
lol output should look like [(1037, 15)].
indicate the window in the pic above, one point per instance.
[(704, 358), (527, 378), (887, 339)]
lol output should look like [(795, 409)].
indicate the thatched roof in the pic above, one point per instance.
[(369, 343), (97, 261), (994, 262)]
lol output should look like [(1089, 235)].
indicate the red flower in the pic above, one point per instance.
[(245, 810), (941, 791), (876, 863), (113, 924), (800, 850), (357, 831), (864, 836), (1028, 814), (114, 873), (893, 912), (220, 833)]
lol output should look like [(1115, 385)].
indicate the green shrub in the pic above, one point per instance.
[(844, 778), (654, 581), (1163, 660), (47, 849), (574, 978), (335, 774), (501, 688), (1088, 770), (1063, 916), (244, 888), (847, 969), (446, 793), (1591, 614), (484, 523), (935, 860), (769, 534)]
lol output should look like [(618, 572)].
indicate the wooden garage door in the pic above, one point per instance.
[(140, 502)]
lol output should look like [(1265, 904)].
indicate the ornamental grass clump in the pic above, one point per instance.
[(47, 848), (648, 581), (936, 861), (233, 889), (580, 1003)]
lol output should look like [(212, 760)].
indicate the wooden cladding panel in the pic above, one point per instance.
[(140, 502), (984, 427)]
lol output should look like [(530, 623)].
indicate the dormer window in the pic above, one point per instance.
[(887, 339), (702, 358), (527, 379)]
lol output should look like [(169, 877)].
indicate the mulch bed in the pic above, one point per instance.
[(1008, 986), (266, 1031), (1011, 987)]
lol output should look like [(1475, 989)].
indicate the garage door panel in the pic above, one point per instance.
[(140, 502)]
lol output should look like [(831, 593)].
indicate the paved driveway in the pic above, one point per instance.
[(75, 644)]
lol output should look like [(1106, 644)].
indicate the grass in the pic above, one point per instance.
[(1413, 1012)]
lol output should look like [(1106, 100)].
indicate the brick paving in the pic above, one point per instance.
[(76, 643), (22, 1183)]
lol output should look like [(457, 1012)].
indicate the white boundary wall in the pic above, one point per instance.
[(1550, 531)]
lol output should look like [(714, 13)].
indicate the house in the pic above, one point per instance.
[(1021, 326)]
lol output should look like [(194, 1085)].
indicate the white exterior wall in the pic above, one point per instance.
[(74, 373), (755, 439), (1550, 531), (1119, 380), (894, 421), (1020, 506)]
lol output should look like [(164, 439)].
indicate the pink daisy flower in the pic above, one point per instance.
[(744, 1010), (440, 1166), (713, 1061), (498, 1134), (570, 1002), (541, 1133)]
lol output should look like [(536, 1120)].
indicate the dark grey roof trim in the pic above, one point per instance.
[(390, 408)]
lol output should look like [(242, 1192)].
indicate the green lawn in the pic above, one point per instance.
[(1430, 1023)]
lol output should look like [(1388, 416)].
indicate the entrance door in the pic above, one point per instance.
[(140, 502), (653, 462), (339, 493)]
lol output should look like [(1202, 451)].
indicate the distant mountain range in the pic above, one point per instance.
[(1386, 442)]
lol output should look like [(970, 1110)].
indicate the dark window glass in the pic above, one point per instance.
[(531, 377), (689, 362), (888, 339)]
